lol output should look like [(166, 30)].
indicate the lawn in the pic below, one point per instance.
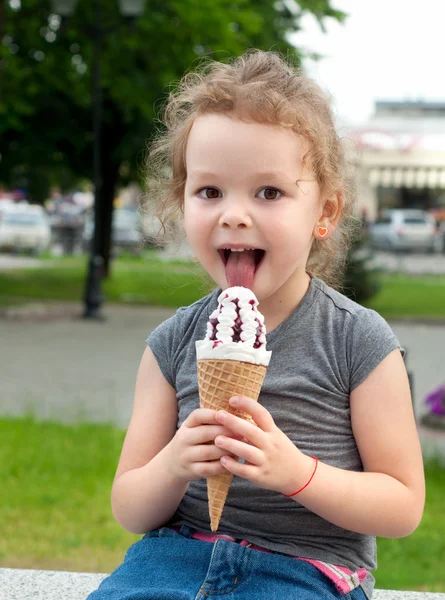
[(55, 501), (55, 508), (151, 281), (146, 280), (411, 297)]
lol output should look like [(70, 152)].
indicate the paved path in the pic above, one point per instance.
[(410, 263), (9, 261), (70, 369)]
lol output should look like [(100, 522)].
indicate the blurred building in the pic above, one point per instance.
[(399, 156)]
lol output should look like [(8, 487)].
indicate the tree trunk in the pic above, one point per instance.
[(110, 175), (2, 34), (113, 131)]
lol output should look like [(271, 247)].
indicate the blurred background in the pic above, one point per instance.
[(85, 277)]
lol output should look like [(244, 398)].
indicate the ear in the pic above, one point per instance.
[(329, 217), (332, 209)]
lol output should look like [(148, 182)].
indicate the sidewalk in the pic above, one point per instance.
[(68, 369), (58, 366)]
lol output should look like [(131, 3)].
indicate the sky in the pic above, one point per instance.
[(385, 50)]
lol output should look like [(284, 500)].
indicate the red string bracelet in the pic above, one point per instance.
[(306, 484)]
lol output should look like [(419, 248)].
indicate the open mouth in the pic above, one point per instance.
[(258, 255)]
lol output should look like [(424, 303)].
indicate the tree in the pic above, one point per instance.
[(361, 280), (45, 101)]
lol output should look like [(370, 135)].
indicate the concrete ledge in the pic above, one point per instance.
[(24, 584)]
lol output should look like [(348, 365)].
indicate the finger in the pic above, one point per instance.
[(241, 428), (201, 416), (246, 471), (260, 415), (207, 433), (207, 452), (209, 469), (241, 450)]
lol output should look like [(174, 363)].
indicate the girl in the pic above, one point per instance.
[(332, 458)]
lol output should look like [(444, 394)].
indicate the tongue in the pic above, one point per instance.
[(240, 269)]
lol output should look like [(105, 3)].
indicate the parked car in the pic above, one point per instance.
[(25, 229), (125, 233), (5, 205), (404, 229)]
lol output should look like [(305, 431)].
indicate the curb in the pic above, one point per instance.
[(41, 312)]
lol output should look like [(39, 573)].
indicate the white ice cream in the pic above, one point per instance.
[(235, 330)]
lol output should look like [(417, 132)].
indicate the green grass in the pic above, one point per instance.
[(150, 281), (145, 280), (55, 500), (55, 507), (416, 562), (403, 296)]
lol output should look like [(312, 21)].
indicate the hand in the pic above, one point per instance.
[(272, 461), (192, 453)]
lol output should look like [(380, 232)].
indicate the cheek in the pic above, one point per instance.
[(291, 242), (196, 227)]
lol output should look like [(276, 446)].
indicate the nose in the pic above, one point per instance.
[(234, 215)]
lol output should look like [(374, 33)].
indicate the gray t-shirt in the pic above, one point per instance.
[(320, 353)]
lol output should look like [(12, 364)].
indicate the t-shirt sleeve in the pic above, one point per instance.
[(371, 340), (163, 342)]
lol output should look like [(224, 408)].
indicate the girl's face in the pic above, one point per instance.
[(246, 186)]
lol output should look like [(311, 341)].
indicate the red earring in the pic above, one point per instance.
[(322, 231)]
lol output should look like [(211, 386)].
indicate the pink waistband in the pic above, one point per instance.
[(212, 537), (344, 579)]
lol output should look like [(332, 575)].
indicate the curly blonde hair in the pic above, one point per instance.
[(265, 88)]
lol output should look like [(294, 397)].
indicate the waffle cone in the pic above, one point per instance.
[(218, 381)]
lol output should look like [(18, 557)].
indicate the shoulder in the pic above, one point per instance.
[(364, 331), (346, 310), (337, 300), (366, 336), (187, 317), (169, 338)]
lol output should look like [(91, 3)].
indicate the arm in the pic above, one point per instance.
[(157, 461), (385, 500), (145, 494)]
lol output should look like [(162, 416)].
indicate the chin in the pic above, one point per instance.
[(267, 287)]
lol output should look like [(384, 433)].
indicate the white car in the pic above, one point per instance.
[(25, 229), (6, 204), (125, 232), (405, 229)]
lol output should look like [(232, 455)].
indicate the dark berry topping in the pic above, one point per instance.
[(237, 329), (213, 323)]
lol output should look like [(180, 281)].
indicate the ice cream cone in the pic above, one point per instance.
[(219, 380)]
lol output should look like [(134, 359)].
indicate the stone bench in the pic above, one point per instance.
[(24, 584)]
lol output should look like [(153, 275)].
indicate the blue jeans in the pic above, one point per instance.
[(169, 565)]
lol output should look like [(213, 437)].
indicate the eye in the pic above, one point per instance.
[(209, 193), (270, 193)]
